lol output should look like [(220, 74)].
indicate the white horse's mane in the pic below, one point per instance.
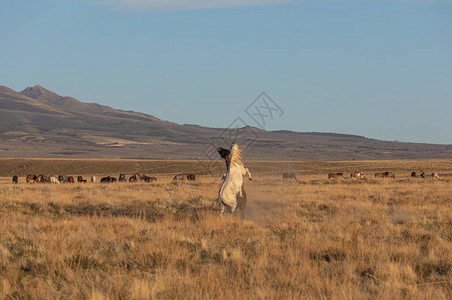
[(236, 155)]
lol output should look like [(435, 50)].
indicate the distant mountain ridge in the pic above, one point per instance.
[(69, 103), (37, 122)]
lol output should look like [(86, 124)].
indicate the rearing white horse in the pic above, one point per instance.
[(232, 183)]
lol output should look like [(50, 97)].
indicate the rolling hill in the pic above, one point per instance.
[(39, 123)]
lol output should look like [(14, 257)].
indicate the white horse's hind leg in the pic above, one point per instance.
[(233, 207)]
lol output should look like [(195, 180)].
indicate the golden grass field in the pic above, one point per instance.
[(310, 238)]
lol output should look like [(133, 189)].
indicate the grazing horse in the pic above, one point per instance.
[(122, 178), (435, 175), (15, 179), (289, 176), (93, 179), (31, 178), (179, 177), (43, 178), (335, 175), (385, 175), (70, 179), (422, 174), (148, 178), (231, 189), (191, 176), (413, 174), (38, 178), (357, 175), (63, 178), (54, 179), (134, 178), (382, 175), (80, 179), (106, 179)]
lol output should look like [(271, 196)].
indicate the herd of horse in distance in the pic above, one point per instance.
[(138, 177), (358, 175), (386, 174)]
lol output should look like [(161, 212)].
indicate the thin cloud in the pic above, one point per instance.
[(173, 5)]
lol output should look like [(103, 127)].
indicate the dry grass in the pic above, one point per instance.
[(310, 238)]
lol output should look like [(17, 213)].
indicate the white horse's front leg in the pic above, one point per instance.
[(247, 172)]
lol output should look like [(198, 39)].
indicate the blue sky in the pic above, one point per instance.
[(381, 69)]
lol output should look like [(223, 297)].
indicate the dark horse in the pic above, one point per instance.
[(122, 178)]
